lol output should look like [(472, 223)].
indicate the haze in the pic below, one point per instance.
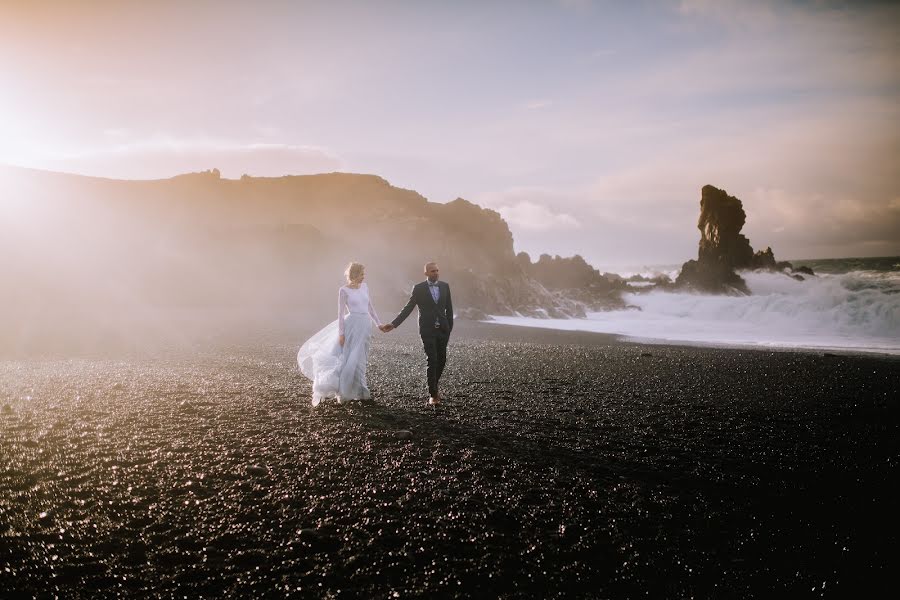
[(590, 126)]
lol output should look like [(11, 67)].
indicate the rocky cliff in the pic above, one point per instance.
[(88, 246)]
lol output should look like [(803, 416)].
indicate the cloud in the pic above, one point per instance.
[(565, 221), (804, 223), (536, 217), (529, 209), (538, 104)]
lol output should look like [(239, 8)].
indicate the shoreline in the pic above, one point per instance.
[(649, 341)]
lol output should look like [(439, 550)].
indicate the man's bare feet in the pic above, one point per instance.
[(435, 400)]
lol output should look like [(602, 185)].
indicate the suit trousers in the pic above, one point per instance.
[(436, 355)]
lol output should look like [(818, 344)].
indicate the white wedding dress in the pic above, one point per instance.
[(335, 370)]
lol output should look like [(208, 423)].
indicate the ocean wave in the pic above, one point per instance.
[(646, 271), (858, 310)]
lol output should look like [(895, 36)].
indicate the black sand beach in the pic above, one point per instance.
[(561, 465)]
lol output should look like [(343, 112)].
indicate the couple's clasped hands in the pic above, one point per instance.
[(383, 328)]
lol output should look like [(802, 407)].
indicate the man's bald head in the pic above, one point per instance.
[(432, 271)]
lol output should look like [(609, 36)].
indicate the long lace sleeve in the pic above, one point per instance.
[(374, 314), (342, 309), (369, 307)]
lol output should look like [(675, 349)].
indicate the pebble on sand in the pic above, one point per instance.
[(257, 471), (403, 435)]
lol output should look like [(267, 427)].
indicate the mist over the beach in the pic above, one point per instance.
[(672, 233)]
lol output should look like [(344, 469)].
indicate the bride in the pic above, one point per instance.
[(335, 358)]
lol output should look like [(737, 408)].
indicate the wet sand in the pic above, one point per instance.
[(561, 465)]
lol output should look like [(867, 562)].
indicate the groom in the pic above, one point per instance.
[(435, 324)]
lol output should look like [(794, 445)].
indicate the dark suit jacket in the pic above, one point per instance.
[(429, 310)]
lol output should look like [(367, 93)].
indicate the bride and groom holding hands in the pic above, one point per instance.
[(335, 358)]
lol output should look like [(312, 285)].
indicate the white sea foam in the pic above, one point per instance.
[(647, 271), (857, 311)]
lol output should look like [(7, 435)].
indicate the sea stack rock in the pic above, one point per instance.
[(721, 219), (723, 249)]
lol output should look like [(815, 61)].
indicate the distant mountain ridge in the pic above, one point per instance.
[(280, 243)]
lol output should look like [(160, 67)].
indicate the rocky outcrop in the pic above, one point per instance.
[(573, 278), (711, 277), (514, 294), (723, 249)]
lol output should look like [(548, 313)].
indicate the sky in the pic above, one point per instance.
[(589, 125)]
